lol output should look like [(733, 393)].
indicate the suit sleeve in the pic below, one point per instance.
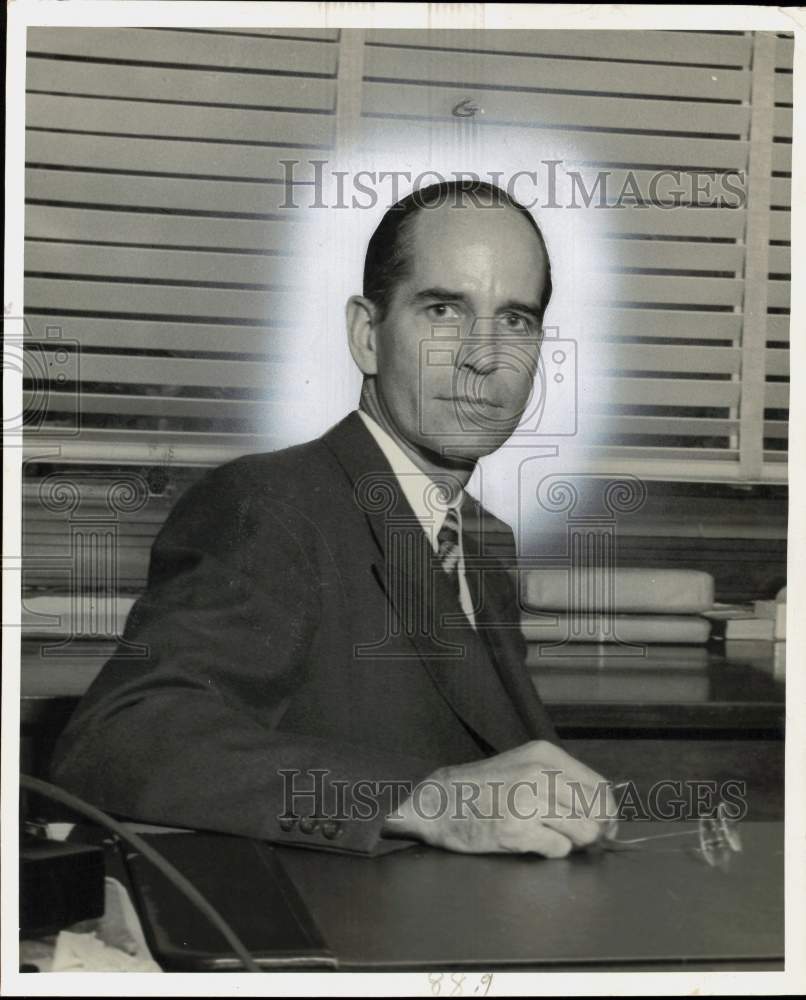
[(183, 726)]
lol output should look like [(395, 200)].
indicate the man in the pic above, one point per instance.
[(332, 660)]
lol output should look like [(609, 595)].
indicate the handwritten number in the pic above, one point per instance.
[(457, 979)]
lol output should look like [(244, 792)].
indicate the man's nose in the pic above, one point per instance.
[(482, 356)]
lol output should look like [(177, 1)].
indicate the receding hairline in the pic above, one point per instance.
[(390, 251), (408, 229)]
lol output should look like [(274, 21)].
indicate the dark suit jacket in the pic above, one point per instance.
[(296, 620)]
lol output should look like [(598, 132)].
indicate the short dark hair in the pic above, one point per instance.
[(388, 253)]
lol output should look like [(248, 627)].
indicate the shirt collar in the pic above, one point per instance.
[(417, 486)]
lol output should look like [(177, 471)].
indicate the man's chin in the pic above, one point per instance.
[(464, 448)]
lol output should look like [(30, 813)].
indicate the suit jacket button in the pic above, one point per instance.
[(287, 823), (308, 824), (332, 829)]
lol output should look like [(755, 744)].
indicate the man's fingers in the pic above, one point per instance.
[(577, 786), (556, 798), (579, 831), (553, 756), (548, 842)]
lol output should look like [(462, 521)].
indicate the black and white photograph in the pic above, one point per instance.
[(397, 534)]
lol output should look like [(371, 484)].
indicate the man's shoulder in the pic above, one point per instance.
[(302, 478), (284, 471)]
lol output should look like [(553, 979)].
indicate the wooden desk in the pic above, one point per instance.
[(731, 689), (660, 907)]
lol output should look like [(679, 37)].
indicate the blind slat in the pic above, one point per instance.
[(142, 228), (670, 289), (172, 121), (670, 391), (559, 110), (715, 223), (780, 260), (666, 426), (682, 456), (662, 323), (643, 46), (677, 255), (134, 370), (146, 262), (781, 191), (776, 395), (782, 157), (780, 226), (784, 50), (544, 72), (776, 361), (153, 192), (142, 334), (778, 294), (319, 34), (776, 428), (151, 83), (383, 136), (783, 88), (658, 358), (139, 45), (103, 297), (777, 328), (155, 156), (782, 123), (116, 446), (254, 412)]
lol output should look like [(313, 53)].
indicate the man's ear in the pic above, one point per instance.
[(361, 333)]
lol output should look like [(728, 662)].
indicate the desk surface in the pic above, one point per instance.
[(662, 906), (733, 687)]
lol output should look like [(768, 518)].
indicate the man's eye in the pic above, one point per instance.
[(442, 311), (515, 323)]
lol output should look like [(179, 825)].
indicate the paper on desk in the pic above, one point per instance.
[(120, 926), (87, 953), (117, 945)]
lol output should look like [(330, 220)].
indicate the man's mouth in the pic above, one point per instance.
[(471, 401)]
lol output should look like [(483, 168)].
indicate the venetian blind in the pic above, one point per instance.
[(688, 332), (158, 283)]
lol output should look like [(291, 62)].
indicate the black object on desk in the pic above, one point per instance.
[(658, 907), (245, 882), (60, 884)]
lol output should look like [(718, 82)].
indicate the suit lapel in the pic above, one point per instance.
[(497, 620), (458, 659)]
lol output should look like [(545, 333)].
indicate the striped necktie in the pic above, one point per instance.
[(449, 549), (449, 554)]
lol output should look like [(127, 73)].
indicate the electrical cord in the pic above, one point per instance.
[(177, 879)]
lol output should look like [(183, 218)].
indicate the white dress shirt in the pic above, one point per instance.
[(418, 488)]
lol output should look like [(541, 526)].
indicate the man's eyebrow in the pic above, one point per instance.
[(440, 294), (447, 295), (530, 308)]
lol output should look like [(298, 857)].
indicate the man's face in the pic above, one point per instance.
[(458, 348)]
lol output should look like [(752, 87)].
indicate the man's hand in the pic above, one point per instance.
[(535, 798)]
